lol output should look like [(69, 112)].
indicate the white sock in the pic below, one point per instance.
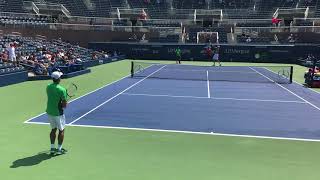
[(59, 147), (52, 146)]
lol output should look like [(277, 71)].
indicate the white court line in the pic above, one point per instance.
[(208, 84), (115, 96), (260, 100), (287, 90), (189, 132), (164, 95), (42, 123), (82, 96), (215, 98)]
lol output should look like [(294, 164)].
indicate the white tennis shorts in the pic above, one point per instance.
[(215, 57), (12, 58), (58, 122)]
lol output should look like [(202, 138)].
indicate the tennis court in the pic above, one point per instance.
[(229, 100)]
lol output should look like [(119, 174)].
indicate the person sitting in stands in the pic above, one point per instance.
[(143, 15), (275, 21), (94, 56), (4, 56), (291, 38), (53, 66), (115, 54), (39, 69)]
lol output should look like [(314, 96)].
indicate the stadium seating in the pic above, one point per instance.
[(159, 9), (30, 47), (13, 6), (179, 13)]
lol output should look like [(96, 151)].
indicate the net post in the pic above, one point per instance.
[(131, 70), (291, 74)]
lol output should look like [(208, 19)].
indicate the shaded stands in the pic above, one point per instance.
[(247, 14), (248, 24), (149, 23), (317, 7), (232, 4), (189, 4), (23, 19), (168, 39), (13, 6), (304, 22), (76, 8), (159, 9), (162, 23), (138, 4), (155, 9), (307, 3), (273, 4), (94, 8), (281, 35), (255, 40), (102, 8)]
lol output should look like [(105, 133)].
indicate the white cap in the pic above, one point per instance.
[(56, 75)]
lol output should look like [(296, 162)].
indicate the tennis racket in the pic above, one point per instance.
[(71, 90)]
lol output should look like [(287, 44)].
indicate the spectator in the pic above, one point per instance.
[(248, 40), (12, 54), (40, 69), (291, 38), (143, 15), (4, 56), (143, 38), (275, 21)]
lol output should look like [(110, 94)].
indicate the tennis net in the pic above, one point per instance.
[(258, 74)]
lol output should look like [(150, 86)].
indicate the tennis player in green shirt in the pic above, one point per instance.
[(178, 55), (57, 101)]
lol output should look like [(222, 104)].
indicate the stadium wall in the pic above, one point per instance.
[(228, 53), (13, 78)]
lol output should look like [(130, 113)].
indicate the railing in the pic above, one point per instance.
[(29, 5), (282, 11), (62, 26), (252, 21), (87, 20), (65, 10), (291, 29), (54, 7), (306, 19), (25, 15)]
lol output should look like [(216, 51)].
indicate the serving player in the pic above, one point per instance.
[(57, 101), (215, 56)]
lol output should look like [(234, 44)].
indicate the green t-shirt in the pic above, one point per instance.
[(56, 94), (178, 52)]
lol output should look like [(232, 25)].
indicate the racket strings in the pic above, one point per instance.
[(71, 90)]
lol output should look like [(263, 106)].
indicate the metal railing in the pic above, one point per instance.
[(25, 15), (291, 29), (63, 26)]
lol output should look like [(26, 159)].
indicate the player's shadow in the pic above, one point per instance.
[(31, 160)]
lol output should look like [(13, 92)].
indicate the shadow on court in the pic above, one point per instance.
[(32, 160)]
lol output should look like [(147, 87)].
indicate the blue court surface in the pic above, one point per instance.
[(233, 101)]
